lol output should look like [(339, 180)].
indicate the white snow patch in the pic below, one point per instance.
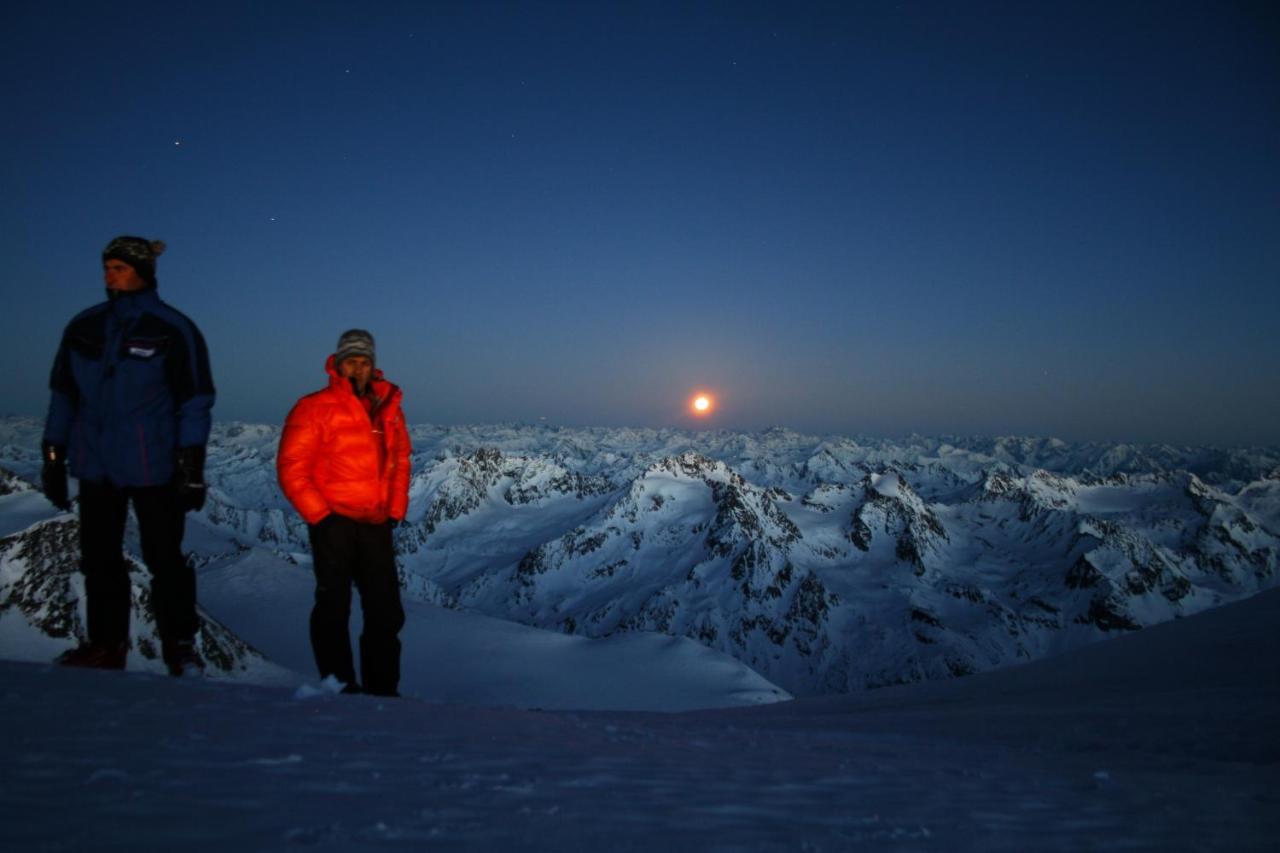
[(889, 485), (329, 686)]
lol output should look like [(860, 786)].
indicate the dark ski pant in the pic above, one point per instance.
[(103, 512), (346, 551)]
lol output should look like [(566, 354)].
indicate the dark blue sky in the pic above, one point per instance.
[(882, 218)]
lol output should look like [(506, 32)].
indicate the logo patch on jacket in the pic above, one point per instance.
[(141, 351)]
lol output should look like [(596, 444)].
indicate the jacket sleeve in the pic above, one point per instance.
[(191, 380), (300, 444), (400, 455), (63, 400)]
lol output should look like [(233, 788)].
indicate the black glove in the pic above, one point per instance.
[(188, 478), (53, 475)]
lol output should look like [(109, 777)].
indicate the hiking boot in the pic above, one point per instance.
[(95, 655), (182, 659)]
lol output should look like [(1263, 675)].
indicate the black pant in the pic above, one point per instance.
[(103, 511), (347, 551)]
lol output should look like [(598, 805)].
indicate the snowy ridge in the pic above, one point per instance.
[(691, 549), (826, 564)]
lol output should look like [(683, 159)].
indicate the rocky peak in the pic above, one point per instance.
[(826, 497), (695, 466), (745, 513), (890, 507), (1036, 494), (1001, 483), (11, 483)]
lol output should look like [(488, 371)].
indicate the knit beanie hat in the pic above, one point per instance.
[(138, 253), (354, 342)]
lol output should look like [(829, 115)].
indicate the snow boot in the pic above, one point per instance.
[(95, 655), (182, 659)]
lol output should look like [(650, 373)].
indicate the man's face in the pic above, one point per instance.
[(122, 277), (357, 368)]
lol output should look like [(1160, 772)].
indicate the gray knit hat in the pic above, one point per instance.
[(138, 252), (354, 342)]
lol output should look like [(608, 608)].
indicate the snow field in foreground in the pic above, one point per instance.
[(1163, 740)]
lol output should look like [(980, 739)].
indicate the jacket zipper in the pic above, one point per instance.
[(142, 445)]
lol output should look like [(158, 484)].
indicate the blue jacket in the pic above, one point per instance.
[(131, 384)]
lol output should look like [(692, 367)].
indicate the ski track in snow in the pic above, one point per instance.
[(1163, 740)]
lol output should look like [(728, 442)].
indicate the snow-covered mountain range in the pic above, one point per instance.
[(824, 564)]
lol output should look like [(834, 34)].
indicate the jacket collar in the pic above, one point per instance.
[(131, 304), (386, 392)]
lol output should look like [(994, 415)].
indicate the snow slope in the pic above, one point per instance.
[(468, 657), (1164, 740)]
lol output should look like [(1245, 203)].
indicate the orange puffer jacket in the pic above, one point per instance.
[(334, 457)]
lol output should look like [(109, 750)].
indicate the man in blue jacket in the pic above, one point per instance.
[(130, 414)]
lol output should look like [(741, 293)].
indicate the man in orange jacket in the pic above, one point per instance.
[(344, 465)]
